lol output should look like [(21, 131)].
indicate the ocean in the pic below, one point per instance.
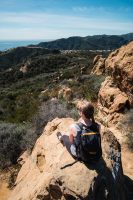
[(7, 44)]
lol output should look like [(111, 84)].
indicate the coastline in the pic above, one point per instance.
[(8, 44)]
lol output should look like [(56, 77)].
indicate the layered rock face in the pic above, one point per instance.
[(119, 65), (112, 102), (51, 173), (116, 93)]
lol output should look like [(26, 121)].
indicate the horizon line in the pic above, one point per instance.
[(38, 39)]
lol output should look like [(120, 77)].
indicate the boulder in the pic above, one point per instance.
[(51, 173)]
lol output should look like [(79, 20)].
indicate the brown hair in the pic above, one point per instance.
[(87, 109)]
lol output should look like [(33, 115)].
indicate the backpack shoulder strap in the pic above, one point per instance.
[(77, 138), (81, 125), (95, 127)]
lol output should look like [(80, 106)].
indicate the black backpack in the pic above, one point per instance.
[(88, 143)]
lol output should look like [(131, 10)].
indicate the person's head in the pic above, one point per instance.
[(86, 109)]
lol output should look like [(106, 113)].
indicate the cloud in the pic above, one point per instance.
[(80, 9), (109, 12), (92, 10), (84, 8), (51, 26)]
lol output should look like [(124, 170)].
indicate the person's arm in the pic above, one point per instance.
[(71, 135)]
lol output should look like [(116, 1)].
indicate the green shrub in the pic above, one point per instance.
[(14, 139), (10, 137), (18, 108), (92, 86), (50, 110), (87, 86)]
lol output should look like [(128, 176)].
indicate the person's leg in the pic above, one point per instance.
[(64, 139), (66, 142)]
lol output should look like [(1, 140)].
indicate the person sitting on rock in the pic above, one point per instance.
[(84, 141)]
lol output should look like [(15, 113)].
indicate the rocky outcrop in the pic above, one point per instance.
[(99, 65), (112, 102), (116, 93), (119, 65), (51, 173), (65, 93)]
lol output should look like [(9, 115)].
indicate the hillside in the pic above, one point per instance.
[(27, 88), (46, 171), (20, 55), (35, 70), (41, 88), (96, 42)]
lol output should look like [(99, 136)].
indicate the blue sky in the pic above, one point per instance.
[(52, 19)]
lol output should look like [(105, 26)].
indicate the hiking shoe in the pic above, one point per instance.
[(59, 136)]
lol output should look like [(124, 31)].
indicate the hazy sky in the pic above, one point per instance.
[(52, 19)]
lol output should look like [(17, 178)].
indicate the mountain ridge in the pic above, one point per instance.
[(95, 42)]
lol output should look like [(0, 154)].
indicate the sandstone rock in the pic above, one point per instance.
[(111, 101), (23, 69), (4, 191), (112, 98), (45, 174), (99, 65), (22, 159), (119, 65), (65, 93)]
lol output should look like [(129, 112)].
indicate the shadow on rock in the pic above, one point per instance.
[(106, 186)]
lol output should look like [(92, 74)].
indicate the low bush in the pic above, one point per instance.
[(10, 137), (16, 109), (51, 109), (87, 87), (14, 139), (92, 86)]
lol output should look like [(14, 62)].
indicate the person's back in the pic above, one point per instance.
[(84, 136)]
